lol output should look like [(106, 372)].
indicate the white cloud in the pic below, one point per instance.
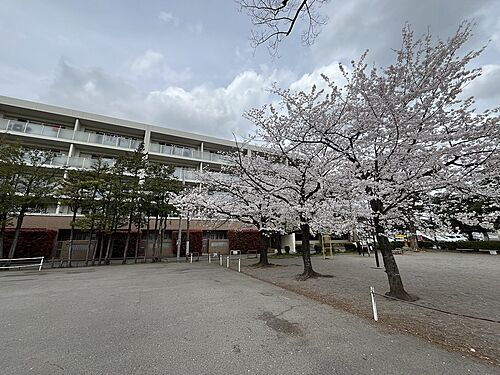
[(168, 17), (196, 28), (305, 83), (485, 88), (147, 64), (357, 25)]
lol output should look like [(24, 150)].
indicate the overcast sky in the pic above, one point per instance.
[(188, 64)]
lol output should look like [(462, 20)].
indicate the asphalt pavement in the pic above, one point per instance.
[(193, 319)]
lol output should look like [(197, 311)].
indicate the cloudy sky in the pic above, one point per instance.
[(189, 65)]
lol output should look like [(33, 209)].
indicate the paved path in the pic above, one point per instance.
[(462, 283), (193, 319)]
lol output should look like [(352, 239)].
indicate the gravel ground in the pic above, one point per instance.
[(194, 319), (462, 283)]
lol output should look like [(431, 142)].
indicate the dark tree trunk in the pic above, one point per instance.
[(391, 268), (162, 235), (155, 239), (90, 246), (127, 241), (109, 248), (2, 234), (147, 239), (137, 244), (101, 247), (413, 238), (263, 260), (306, 253), (187, 236), (71, 236), (278, 243), (19, 224)]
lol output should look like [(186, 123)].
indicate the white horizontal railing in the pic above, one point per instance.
[(6, 264), (87, 163), (185, 152), (73, 162), (55, 131), (185, 174)]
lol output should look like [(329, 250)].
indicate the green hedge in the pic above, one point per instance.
[(483, 245)]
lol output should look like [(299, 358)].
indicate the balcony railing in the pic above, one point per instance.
[(73, 162), (185, 152), (55, 131), (185, 174), (87, 163)]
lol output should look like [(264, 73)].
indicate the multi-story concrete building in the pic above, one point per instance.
[(78, 139)]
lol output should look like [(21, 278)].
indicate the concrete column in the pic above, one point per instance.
[(147, 140)]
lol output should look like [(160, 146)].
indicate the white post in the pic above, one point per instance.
[(227, 262), (374, 305), (191, 258), (220, 259), (209, 258), (41, 265), (239, 265)]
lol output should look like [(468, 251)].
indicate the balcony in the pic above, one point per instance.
[(106, 140), (74, 162), (186, 174), (183, 152), (87, 163), (30, 128), (58, 132)]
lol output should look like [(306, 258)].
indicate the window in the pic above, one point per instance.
[(215, 235)]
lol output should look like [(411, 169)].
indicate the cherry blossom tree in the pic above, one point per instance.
[(404, 131), (298, 174), (274, 20), (231, 194)]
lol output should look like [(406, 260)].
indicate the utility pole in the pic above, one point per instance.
[(179, 238), (187, 234)]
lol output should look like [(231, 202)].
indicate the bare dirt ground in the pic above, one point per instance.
[(461, 283)]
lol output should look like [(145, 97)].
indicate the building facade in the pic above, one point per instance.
[(78, 139)]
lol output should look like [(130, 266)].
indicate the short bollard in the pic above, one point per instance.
[(374, 305), (209, 258), (191, 258), (227, 262), (239, 265), (220, 259)]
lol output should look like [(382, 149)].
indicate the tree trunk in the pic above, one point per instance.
[(101, 246), (147, 239), (2, 234), (179, 240), (278, 243), (137, 244), (306, 253), (413, 238), (187, 236), (156, 239), (109, 248), (162, 234), (263, 259), (71, 235), (127, 241), (19, 224), (391, 268), (90, 246)]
